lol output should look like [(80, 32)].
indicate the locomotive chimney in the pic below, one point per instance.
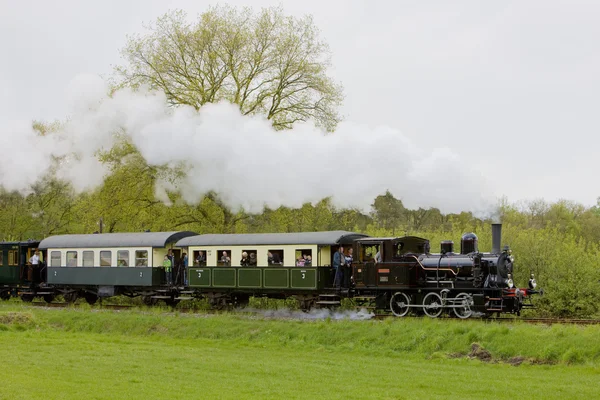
[(496, 238)]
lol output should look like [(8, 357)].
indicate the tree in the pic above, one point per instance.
[(266, 63), (388, 212)]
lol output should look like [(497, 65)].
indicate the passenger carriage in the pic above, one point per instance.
[(226, 283), (110, 264)]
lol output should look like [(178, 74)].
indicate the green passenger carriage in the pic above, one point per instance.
[(224, 282)]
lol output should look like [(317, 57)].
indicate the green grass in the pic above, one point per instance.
[(152, 354)]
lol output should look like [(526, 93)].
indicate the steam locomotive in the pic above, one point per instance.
[(396, 275)]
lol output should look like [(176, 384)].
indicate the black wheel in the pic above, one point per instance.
[(432, 305), (465, 301), (28, 298), (171, 302), (399, 304), (48, 298), (242, 301), (71, 297), (149, 301), (91, 298)]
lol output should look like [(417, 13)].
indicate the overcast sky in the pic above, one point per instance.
[(511, 86)]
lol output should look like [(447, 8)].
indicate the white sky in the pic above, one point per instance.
[(513, 87)]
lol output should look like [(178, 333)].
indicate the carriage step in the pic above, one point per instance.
[(184, 298), (336, 303), (162, 297), (494, 298), (186, 292), (493, 309), (43, 293)]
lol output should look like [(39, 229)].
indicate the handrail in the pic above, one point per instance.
[(432, 269)]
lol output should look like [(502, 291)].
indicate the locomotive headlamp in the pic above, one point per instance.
[(532, 282), (510, 282)]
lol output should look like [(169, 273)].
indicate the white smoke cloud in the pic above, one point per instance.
[(242, 158)]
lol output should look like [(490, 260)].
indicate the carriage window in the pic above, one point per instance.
[(304, 258), (105, 258), (199, 258), (224, 258), (15, 257), (87, 258), (141, 258), (251, 258), (55, 259), (275, 257), (71, 258), (123, 258)]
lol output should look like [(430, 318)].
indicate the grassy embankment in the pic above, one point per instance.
[(81, 353)]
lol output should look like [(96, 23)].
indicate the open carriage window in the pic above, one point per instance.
[(275, 257), (224, 258), (250, 258), (199, 258), (141, 258), (123, 258), (304, 258)]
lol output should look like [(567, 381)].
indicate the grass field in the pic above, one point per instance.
[(141, 354)]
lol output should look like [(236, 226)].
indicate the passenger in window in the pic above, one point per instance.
[(308, 260), (273, 258), (245, 261), (201, 259), (225, 259), (300, 262), (270, 258), (252, 260)]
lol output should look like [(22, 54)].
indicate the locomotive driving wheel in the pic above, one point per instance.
[(464, 301), (399, 304), (432, 305)]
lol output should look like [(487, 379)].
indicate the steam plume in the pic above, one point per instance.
[(240, 157)]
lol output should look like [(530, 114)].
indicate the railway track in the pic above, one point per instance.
[(548, 321)]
